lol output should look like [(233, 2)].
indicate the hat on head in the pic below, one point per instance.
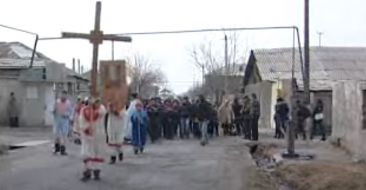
[(79, 97), (95, 100)]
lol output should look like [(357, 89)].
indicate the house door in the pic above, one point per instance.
[(49, 104)]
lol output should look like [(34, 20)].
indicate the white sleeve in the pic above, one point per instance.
[(82, 121), (102, 111)]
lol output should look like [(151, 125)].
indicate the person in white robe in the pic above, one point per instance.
[(117, 120), (131, 109), (93, 139), (75, 132)]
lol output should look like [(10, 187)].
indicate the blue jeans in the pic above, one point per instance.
[(204, 131), (184, 128)]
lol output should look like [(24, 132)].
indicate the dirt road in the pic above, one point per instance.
[(178, 165)]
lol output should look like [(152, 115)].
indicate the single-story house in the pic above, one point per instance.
[(35, 88), (269, 72)]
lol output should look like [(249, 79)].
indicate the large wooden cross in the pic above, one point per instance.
[(96, 37)]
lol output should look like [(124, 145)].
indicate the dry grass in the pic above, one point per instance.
[(260, 180), (323, 176)]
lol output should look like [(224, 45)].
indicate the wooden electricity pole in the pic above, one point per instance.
[(306, 54), (96, 37)]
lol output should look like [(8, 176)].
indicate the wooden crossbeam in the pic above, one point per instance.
[(96, 37)]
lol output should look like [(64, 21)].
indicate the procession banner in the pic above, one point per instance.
[(114, 83)]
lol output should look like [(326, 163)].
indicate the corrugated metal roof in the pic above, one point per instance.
[(327, 65), (15, 55)]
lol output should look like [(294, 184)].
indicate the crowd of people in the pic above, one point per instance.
[(308, 122), (198, 118)]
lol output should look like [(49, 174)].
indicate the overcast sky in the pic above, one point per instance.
[(342, 22)]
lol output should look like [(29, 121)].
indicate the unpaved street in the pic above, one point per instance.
[(178, 165)]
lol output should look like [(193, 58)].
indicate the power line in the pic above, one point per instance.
[(208, 30), (17, 29), (193, 31)]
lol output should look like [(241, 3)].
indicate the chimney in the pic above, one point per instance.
[(79, 71), (73, 64), (82, 69)]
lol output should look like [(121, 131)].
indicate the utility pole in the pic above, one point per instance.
[(112, 50), (226, 64), (203, 74), (320, 38), (306, 54)]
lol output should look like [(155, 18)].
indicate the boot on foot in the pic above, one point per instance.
[(96, 175), (63, 150), (86, 175), (120, 156), (113, 160)]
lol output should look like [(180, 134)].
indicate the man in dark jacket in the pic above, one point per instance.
[(204, 115), (13, 110), (255, 111), (238, 119), (281, 118), (318, 117), (185, 112), (246, 130), (154, 127)]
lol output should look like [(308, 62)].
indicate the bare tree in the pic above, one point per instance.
[(147, 78), (210, 59)]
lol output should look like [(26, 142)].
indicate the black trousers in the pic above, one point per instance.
[(238, 122), (301, 129), (154, 128), (318, 125), (280, 127), (247, 131), (13, 122), (254, 128), (168, 129)]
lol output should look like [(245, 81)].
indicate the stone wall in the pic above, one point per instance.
[(347, 117)]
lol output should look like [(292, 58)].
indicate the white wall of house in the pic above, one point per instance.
[(347, 117), (32, 100), (34, 104), (7, 86)]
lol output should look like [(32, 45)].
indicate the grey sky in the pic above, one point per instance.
[(343, 24)]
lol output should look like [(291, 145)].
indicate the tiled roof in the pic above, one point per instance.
[(327, 65)]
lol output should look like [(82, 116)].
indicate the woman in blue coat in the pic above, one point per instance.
[(139, 120)]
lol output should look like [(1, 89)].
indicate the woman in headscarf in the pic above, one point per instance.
[(139, 121)]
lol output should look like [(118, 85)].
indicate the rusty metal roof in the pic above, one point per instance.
[(327, 65)]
